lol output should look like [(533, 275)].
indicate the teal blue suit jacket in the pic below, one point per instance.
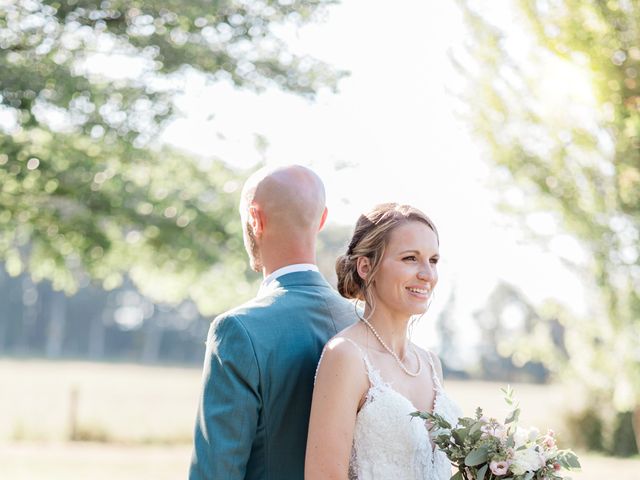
[(258, 376)]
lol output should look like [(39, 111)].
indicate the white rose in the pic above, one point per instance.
[(520, 436), (527, 460)]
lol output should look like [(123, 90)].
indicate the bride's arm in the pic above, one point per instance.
[(340, 384)]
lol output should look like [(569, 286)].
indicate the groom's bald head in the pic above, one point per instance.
[(284, 205), (291, 196)]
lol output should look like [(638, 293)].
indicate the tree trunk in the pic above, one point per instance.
[(57, 323), (73, 414), (152, 339), (4, 322), (96, 337), (636, 425), (30, 301), (5, 317)]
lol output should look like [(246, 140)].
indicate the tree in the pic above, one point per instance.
[(509, 326), (575, 156), (86, 87)]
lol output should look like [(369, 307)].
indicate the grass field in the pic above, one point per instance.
[(145, 416)]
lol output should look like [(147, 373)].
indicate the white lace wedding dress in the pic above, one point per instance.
[(388, 444)]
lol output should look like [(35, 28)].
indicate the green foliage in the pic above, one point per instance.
[(86, 192), (586, 428), (73, 215), (623, 441), (572, 145), (477, 456), (332, 242), (568, 459), (514, 415)]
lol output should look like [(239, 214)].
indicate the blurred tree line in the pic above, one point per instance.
[(88, 194), (122, 324), (575, 157), (119, 324)]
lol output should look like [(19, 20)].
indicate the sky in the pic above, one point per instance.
[(391, 133)]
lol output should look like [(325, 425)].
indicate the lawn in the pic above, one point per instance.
[(145, 415)]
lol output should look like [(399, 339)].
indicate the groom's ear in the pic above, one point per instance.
[(323, 219), (363, 267), (256, 220)]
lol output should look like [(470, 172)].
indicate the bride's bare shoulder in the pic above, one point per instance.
[(342, 372), (343, 347), (344, 354)]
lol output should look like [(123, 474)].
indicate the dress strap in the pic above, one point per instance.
[(372, 373), (434, 374)]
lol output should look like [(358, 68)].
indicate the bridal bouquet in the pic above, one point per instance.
[(484, 449)]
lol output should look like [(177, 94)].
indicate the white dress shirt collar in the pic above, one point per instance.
[(296, 267)]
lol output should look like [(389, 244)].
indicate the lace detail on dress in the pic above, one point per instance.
[(388, 443)]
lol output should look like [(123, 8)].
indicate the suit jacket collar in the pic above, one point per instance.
[(306, 278), (296, 267)]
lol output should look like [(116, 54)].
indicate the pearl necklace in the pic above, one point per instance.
[(394, 354)]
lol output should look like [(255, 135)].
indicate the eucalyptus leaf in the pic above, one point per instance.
[(475, 428), (482, 472), (460, 435), (513, 416), (477, 456), (457, 476)]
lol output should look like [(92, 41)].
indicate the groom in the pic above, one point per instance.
[(261, 357)]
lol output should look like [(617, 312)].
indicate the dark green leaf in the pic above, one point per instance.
[(476, 457)]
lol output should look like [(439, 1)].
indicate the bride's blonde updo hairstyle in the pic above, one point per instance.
[(369, 240)]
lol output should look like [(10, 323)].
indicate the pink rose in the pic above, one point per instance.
[(557, 467), (499, 468), (548, 441)]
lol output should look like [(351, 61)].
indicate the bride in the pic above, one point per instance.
[(371, 376)]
